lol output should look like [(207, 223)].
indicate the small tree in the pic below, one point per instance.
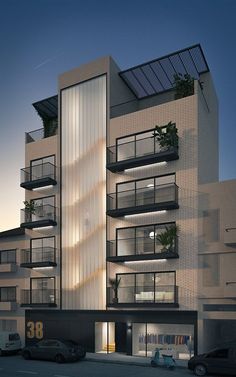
[(167, 136), (184, 85), (29, 209), (114, 283)]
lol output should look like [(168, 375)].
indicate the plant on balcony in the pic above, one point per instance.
[(114, 283), (167, 238), (167, 136), (30, 209), (50, 127), (184, 85)]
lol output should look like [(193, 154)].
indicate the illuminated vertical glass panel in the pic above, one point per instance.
[(83, 142)]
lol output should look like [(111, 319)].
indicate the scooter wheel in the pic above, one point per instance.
[(153, 364)]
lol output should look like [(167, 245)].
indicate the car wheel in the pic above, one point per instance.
[(200, 370), (59, 358), (26, 355), (1, 352)]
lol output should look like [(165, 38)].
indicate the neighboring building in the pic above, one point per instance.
[(102, 197)]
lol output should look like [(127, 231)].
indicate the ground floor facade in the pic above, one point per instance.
[(130, 332)]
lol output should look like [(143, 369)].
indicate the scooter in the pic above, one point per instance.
[(168, 361)]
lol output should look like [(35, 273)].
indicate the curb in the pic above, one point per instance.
[(120, 362)]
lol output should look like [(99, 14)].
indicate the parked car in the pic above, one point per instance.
[(220, 361), (9, 342), (58, 350)]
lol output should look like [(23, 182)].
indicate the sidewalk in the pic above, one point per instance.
[(117, 358)]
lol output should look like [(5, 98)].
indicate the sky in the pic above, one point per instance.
[(40, 39)]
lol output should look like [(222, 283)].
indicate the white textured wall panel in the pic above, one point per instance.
[(83, 122)]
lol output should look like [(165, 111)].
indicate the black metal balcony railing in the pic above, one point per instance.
[(38, 257), (156, 197), (144, 295), (43, 215), (39, 134), (38, 297), (40, 175), (139, 248), (138, 152)]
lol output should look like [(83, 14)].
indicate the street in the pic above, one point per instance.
[(16, 366)]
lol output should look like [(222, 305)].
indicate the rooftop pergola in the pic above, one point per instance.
[(157, 76)]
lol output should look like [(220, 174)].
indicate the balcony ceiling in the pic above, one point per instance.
[(157, 76), (47, 108)]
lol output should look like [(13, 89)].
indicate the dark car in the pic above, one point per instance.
[(54, 349), (220, 361)]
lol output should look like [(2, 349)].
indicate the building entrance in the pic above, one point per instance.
[(105, 337)]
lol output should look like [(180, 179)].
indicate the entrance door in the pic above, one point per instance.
[(105, 337), (121, 337)]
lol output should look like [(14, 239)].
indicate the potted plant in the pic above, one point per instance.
[(184, 85), (114, 283), (50, 127), (167, 136), (167, 238), (29, 209)]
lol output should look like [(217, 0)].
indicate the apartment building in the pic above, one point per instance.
[(126, 239)]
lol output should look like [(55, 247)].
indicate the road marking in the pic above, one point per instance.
[(26, 371)]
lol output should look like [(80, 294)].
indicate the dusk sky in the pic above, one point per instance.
[(42, 38)]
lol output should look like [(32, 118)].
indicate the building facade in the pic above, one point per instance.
[(122, 245)]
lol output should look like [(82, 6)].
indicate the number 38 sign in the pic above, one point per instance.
[(34, 330)]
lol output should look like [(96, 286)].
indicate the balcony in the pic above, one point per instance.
[(36, 176), (140, 248), (140, 296), (38, 298), (39, 134), (145, 199), (230, 236), (138, 150), (41, 216), (38, 257)]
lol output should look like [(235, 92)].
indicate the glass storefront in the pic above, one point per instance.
[(173, 339)]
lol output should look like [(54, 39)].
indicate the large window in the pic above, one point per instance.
[(43, 249), (143, 240), (151, 287), (146, 191), (43, 167), (172, 339), (43, 290), (44, 208)]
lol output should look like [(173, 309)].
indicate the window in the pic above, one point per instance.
[(7, 294), (43, 249), (43, 290), (44, 208), (8, 256), (43, 167)]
